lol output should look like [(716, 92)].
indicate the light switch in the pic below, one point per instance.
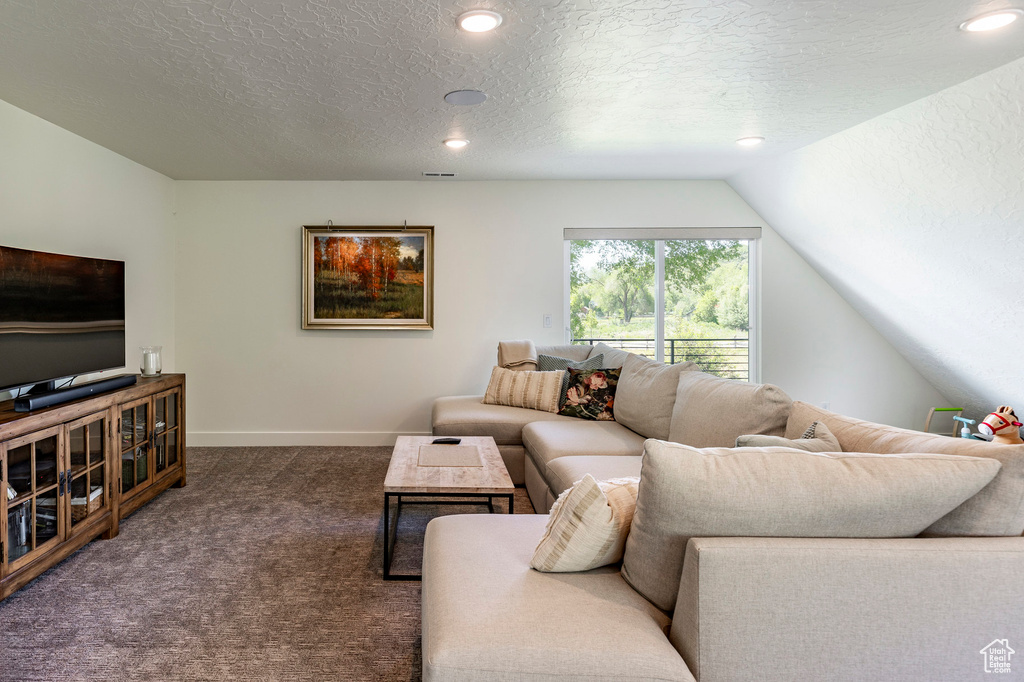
[(547, 320)]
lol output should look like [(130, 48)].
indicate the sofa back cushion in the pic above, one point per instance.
[(779, 492), (997, 510), (613, 357), (713, 412), (574, 352), (646, 395)]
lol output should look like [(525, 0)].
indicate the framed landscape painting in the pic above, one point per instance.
[(367, 277)]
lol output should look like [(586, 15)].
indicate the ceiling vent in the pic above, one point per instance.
[(438, 174)]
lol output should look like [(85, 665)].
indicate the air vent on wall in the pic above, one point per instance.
[(438, 174)]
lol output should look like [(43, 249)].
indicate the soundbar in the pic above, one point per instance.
[(34, 402)]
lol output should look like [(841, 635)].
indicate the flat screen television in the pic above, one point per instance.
[(60, 316)]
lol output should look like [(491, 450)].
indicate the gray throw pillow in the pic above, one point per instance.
[(550, 363), (817, 438)]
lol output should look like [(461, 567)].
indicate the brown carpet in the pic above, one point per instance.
[(266, 566)]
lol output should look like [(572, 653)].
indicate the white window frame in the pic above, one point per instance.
[(752, 235)]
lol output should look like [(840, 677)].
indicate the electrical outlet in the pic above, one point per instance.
[(826, 405), (547, 321)]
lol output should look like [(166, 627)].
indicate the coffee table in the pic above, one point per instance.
[(406, 479)]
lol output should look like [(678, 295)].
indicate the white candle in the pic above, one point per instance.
[(148, 363)]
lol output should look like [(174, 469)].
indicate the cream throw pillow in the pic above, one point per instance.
[(588, 526), (532, 390)]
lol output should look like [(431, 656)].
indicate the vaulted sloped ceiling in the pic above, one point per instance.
[(916, 218)]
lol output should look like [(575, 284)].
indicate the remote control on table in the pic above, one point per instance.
[(446, 441)]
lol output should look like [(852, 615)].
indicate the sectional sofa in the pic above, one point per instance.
[(747, 608), (548, 452)]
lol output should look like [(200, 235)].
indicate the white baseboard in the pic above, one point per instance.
[(284, 438)]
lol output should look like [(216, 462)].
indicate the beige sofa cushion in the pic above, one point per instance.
[(646, 395), (467, 415), (565, 471), (574, 351), (613, 357), (588, 526), (547, 441), (817, 438), (532, 390), (713, 412), (487, 616), (780, 492), (997, 510)]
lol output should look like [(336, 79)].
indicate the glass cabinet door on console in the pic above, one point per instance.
[(150, 437), (135, 441), (166, 441), (87, 468), (34, 487)]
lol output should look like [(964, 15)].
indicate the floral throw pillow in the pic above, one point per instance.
[(591, 393)]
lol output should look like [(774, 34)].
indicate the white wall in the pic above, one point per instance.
[(64, 194), (821, 351), (230, 318), (917, 218), (255, 377)]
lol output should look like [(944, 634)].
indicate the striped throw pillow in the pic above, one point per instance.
[(532, 390), (588, 526)]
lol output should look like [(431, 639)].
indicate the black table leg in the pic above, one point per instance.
[(391, 527)]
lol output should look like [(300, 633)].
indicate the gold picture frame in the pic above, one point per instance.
[(367, 277)]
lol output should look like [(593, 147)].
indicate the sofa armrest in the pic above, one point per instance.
[(847, 609)]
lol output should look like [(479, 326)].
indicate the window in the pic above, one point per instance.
[(674, 295)]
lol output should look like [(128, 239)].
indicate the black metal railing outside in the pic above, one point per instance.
[(724, 357)]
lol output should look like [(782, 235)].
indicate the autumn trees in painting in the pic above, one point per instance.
[(368, 277), (370, 263)]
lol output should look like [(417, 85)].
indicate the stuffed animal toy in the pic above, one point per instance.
[(1003, 426)]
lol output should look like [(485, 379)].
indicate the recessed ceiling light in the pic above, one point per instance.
[(465, 97), (991, 20), (479, 21), (455, 143), (749, 141)]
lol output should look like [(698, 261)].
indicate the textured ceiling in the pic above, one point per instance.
[(320, 89)]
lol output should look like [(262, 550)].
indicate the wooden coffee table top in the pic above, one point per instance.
[(405, 475)]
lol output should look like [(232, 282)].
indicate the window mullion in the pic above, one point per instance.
[(753, 311), (659, 299), (567, 291)]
